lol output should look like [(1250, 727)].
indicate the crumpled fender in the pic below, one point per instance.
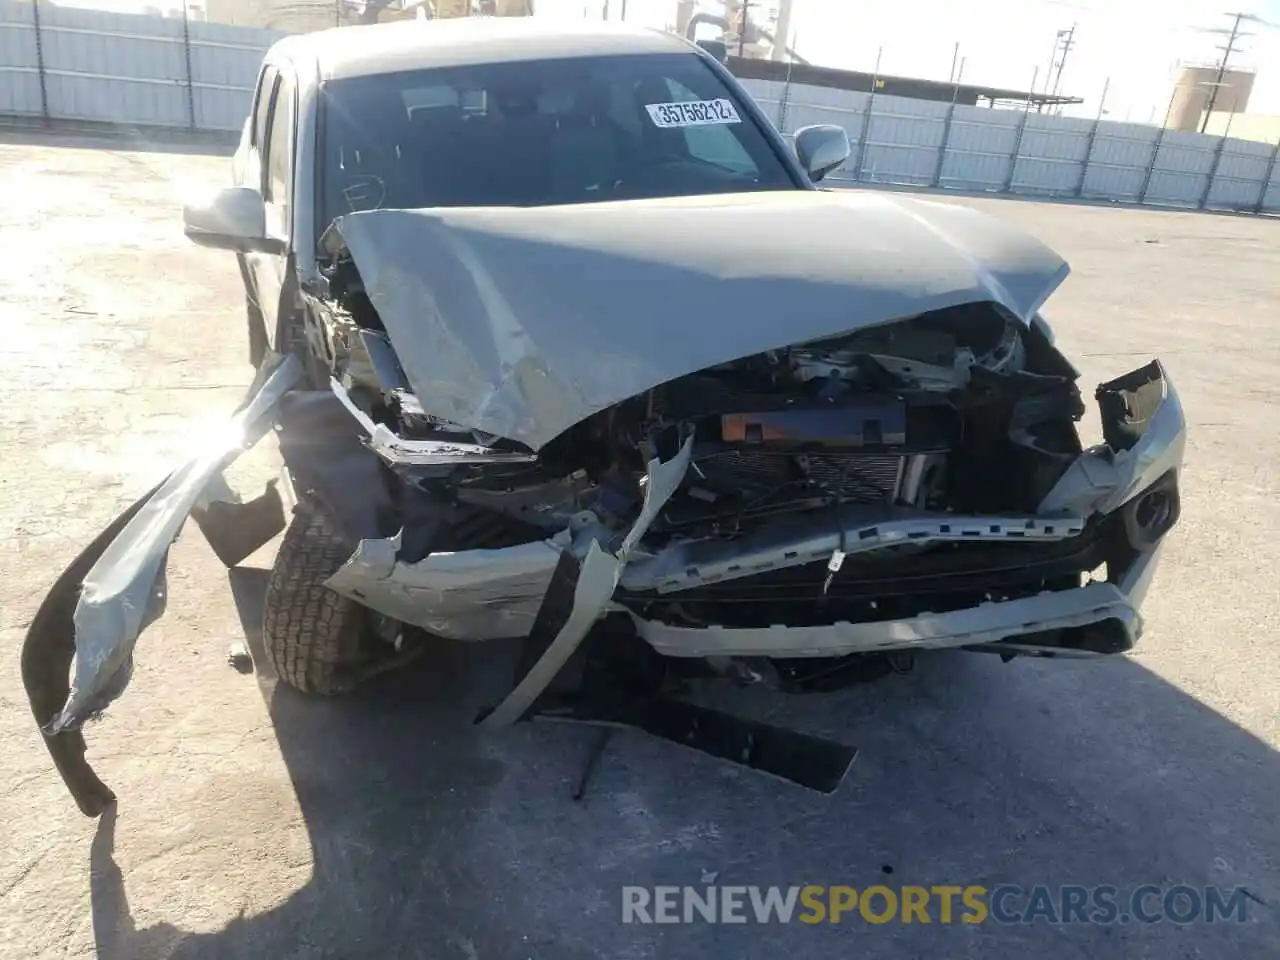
[(90, 621)]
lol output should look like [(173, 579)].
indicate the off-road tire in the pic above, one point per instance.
[(314, 638)]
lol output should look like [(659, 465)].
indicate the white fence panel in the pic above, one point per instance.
[(903, 139), (1118, 161), (980, 146), (224, 67), (1113, 182), (143, 69), (1175, 188), (19, 65), (1244, 160), (1052, 177), (1056, 138), (114, 67), (1181, 168), (1233, 194), (1271, 200), (1118, 144)]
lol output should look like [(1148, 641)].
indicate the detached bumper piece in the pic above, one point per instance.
[(100, 604), (617, 682), (584, 580), (808, 761)]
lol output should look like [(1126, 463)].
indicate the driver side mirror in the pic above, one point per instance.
[(821, 148), (234, 219)]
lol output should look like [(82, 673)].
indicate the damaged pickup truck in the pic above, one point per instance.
[(566, 368)]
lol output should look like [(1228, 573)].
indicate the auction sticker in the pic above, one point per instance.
[(692, 113)]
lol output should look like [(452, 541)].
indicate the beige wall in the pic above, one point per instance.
[(1193, 89), (294, 16), (1245, 126)]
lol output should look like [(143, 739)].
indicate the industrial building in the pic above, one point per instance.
[(963, 93), (1203, 103), (755, 52)]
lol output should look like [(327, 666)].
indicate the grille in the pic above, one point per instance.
[(855, 477), (860, 479)]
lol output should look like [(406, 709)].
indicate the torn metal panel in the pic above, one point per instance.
[(467, 595), (520, 322), (325, 460), (492, 594), (984, 624), (124, 590), (48, 652), (235, 530), (561, 630), (1105, 477), (397, 450), (796, 541)]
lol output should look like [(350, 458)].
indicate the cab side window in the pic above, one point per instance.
[(262, 105), (278, 179)]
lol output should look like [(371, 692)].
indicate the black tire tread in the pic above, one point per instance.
[(312, 635)]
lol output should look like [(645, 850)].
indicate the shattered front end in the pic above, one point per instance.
[(627, 422)]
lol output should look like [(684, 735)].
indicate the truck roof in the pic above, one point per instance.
[(355, 51)]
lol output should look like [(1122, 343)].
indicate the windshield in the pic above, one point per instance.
[(539, 132)]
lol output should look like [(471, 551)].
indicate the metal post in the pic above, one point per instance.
[(866, 120), (785, 100), (1017, 142), (1067, 43), (1151, 166), (1217, 159), (1155, 151), (1053, 56), (44, 85), (946, 129), (1093, 136), (1261, 205), (186, 54), (1222, 70)]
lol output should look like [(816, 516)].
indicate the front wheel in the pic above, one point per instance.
[(316, 639)]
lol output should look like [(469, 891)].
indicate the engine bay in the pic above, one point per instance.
[(964, 410)]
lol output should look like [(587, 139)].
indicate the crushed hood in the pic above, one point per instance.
[(523, 322)]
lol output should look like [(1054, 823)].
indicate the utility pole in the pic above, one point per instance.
[(1064, 39), (742, 30), (1233, 35), (1067, 43)]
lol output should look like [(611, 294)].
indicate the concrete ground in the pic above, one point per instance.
[(253, 823)]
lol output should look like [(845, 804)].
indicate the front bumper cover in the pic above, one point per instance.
[(100, 604)]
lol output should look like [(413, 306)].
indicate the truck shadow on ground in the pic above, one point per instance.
[(429, 840)]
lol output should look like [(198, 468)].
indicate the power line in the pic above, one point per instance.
[(1233, 35), (1067, 43), (1064, 39)]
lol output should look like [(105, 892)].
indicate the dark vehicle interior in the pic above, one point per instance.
[(534, 133)]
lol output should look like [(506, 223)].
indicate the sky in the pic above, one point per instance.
[(1135, 43), (1130, 47)]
